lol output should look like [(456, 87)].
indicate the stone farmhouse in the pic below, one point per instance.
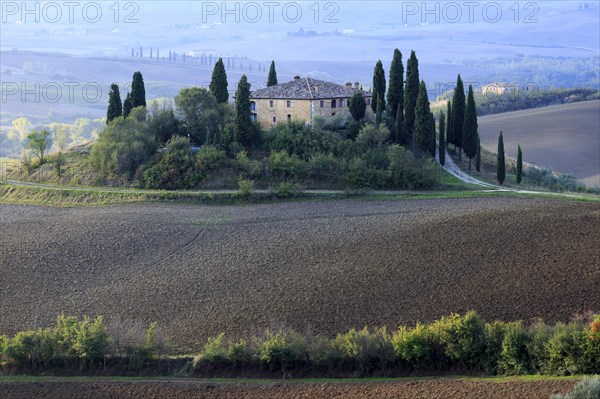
[(499, 89), (302, 99)]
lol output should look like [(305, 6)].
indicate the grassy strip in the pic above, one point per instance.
[(496, 379)]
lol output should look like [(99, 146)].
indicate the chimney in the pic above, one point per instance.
[(348, 85), (297, 77), (356, 85)]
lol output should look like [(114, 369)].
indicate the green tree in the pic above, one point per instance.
[(501, 166), (115, 108), (395, 94), (449, 137), (458, 115), (272, 78), (519, 165), (358, 106), (197, 108), (442, 145), (378, 86), (378, 114), (138, 91), (39, 143), (218, 82), (469, 139), (127, 105), (399, 126), (423, 131), (411, 93), (58, 162), (243, 127), (478, 156)]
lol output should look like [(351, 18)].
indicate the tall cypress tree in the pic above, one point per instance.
[(138, 92), (519, 166), (378, 87), (469, 139), (379, 111), (423, 133), (411, 93), (449, 136), (218, 82), (432, 129), (395, 94), (458, 115), (272, 78), (478, 156), (442, 144), (358, 106), (127, 106), (399, 126), (115, 108), (500, 166), (243, 128)]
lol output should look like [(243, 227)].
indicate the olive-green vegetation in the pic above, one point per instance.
[(410, 95), (455, 342), (500, 164), (378, 100)]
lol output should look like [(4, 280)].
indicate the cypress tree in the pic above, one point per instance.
[(138, 92), (432, 129), (399, 126), (379, 111), (458, 115), (442, 144), (358, 106), (519, 166), (127, 106), (449, 137), (478, 156), (423, 133), (115, 108), (243, 128), (395, 94), (218, 82), (500, 166), (378, 87), (469, 138), (272, 78), (411, 94)]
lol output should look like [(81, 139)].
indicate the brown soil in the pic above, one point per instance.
[(319, 267), (434, 389)]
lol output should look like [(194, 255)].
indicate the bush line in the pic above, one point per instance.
[(462, 343)]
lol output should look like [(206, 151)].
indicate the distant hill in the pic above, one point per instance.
[(565, 137)]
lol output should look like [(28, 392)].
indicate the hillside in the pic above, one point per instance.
[(565, 137), (314, 266)]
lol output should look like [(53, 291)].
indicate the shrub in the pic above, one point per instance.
[(210, 158), (588, 388), (591, 347), (283, 351), (324, 354), (416, 346), (175, 168), (494, 336), (462, 337), (214, 354), (284, 190), (514, 357), (246, 187), (366, 351), (540, 334), (565, 349), (284, 165), (239, 354)]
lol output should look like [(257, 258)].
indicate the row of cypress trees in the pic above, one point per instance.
[(137, 98)]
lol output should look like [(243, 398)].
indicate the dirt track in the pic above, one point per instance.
[(320, 267), (196, 390)]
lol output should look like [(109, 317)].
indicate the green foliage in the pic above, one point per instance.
[(210, 158), (246, 188), (127, 105), (197, 108), (371, 136), (519, 165), (587, 388), (123, 146), (412, 93), (515, 357), (501, 163), (395, 94), (565, 350), (39, 142), (283, 351), (442, 139), (272, 78), (358, 106), (463, 338), (407, 172), (163, 124), (115, 108), (218, 82), (378, 87), (478, 155), (243, 127), (175, 168), (416, 346), (469, 139), (138, 91), (214, 353), (494, 336), (449, 125), (458, 113), (285, 165), (367, 351), (424, 136)]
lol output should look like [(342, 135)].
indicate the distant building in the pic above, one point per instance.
[(301, 100), (500, 88)]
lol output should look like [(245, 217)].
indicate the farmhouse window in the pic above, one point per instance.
[(289, 104)]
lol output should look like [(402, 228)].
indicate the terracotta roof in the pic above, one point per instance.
[(306, 88)]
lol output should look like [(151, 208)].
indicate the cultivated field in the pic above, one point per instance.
[(422, 389), (565, 138), (319, 267)]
